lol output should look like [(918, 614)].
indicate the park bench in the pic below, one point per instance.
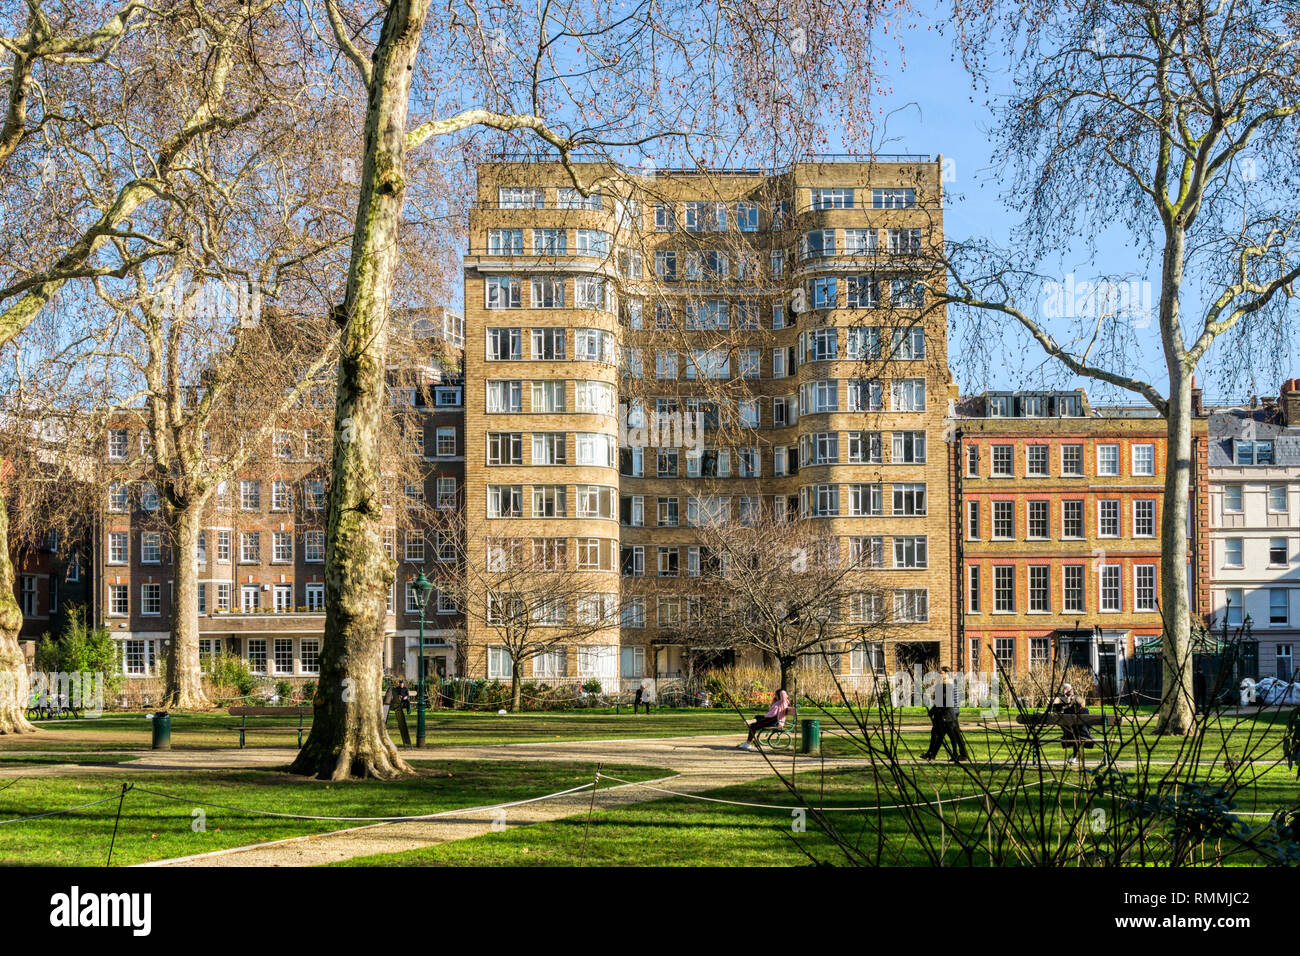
[(245, 712), (47, 709), (1065, 722)]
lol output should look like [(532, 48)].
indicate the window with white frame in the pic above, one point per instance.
[(314, 596), (151, 599), (1144, 587), (1111, 589), (1108, 459), (1144, 459), (250, 547)]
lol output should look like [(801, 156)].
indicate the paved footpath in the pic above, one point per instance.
[(691, 765)]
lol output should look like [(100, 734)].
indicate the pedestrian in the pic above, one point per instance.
[(775, 717), (1074, 733), (403, 696), (636, 701), (945, 721)]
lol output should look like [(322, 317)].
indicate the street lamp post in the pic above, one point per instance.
[(422, 591)]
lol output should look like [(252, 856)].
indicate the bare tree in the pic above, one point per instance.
[(781, 586), (97, 122), (527, 591), (1157, 116), (568, 77)]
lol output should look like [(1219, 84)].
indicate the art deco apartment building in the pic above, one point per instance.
[(1059, 529), (785, 309), (262, 544), (1255, 522)]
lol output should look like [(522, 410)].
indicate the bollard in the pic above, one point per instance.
[(810, 736), (162, 731)]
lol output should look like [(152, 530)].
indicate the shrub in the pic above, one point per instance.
[(309, 691), (229, 672), (591, 686), (283, 690), (81, 648)]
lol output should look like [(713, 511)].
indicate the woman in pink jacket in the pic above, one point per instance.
[(775, 717)]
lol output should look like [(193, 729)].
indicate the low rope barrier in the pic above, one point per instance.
[(55, 813)]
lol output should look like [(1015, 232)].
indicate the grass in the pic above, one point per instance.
[(154, 828), (685, 832)]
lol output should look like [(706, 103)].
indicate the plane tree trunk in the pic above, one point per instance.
[(13, 666), (348, 737)]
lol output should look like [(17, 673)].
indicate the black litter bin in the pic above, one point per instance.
[(162, 731), (810, 736)]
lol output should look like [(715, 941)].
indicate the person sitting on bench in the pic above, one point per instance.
[(775, 717), (1075, 735)]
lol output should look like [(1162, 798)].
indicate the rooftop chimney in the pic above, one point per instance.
[(1198, 409), (1289, 401)]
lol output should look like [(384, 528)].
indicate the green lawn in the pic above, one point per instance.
[(154, 828), (685, 832)]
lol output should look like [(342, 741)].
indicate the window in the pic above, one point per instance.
[(1004, 588), (309, 654), (1232, 553), (668, 562), (1072, 519), (281, 547), (912, 604), (908, 448), (1108, 459), (250, 495), (118, 443), (1277, 499), (973, 520), (1004, 520), (832, 198), (1072, 460), (1234, 601), (281, 495), (505, 448), (504, 397), (1111, 590), (1040, 588), (250, 546), (1277, 551), (1004, 653), (1040, 652), (1039, 519), (1108, 518), (119, 599), (1232, 499), (1144, 518), (908, 395), (1282, 657), (446, 490), (1144, 459), (504, 345), (151, 599), (137, 658), (149, 496), (119, 497), (973, 588), (1072, 588), (893, 198), (313, 546), (910, 552), (909, 344), (547, 292), (909, 498), (972, 461), (28, 595), (503, 292), (1003, 459), (282, 598), (1144, 587), (1254, 452), (1278, 611), (257, 655), (414, 550), (521, 197), (1036, 461), (223, 547), (117, 547), (505, 242)]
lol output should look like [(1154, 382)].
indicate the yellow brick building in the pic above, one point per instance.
[(786, 311)]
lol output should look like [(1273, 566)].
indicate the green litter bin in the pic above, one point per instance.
[(162, 731), (810, 736)]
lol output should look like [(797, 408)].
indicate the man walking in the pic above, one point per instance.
[(945, 721)]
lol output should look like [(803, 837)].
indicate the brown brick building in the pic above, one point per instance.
[(262, 544)]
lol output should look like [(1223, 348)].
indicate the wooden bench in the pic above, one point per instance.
[(1066, 722), (245, 712)]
